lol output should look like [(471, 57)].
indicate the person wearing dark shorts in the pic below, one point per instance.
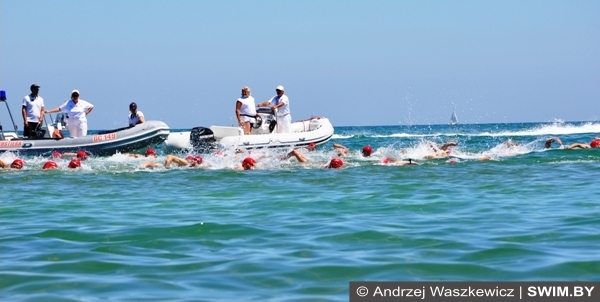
[(33, 112)]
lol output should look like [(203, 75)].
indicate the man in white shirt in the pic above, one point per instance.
[(282, 104), (33, 111)]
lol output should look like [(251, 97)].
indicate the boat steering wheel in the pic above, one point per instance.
[(258, 122)]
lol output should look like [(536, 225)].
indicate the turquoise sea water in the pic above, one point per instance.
[(297, 232)]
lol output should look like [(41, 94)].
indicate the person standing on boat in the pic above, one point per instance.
[(33, 111), (245, 110), (77, 111), (136, 116), (282, 104)]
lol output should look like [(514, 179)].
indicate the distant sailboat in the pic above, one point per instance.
[(453, 118)]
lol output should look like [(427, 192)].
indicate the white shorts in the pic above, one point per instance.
[(248, 119)]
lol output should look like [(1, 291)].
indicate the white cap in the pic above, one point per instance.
[(280, 88), (74, 91)]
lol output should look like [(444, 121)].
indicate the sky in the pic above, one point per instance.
[(359, 63)]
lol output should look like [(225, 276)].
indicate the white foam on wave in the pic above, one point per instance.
[(339, 136), (422, 150), (557, 128), (409, 135)]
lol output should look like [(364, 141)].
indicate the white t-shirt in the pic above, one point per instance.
[(33, 107), (75, 111), (134, 120), (248, 106), (283, 110)]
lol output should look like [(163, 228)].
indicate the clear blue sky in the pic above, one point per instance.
[(358, 63)]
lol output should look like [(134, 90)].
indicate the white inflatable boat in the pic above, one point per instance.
[(149, 133), (316, 130)]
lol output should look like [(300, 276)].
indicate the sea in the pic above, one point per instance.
[(290, 231)]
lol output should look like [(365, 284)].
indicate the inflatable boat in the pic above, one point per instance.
[(317, 130), (47, 138)]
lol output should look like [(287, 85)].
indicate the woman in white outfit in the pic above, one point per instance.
[(77, 111), (245, 110)]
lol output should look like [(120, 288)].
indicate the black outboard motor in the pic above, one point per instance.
[(202, 139)]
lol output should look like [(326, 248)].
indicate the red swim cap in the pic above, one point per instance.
[(50, 165), (150, 151), (367, 150), (387, 160), (194, 159), (56, 154), (595, 143), (248, 163), (336, 163), (17, 164), (312, 146), (82, 154), (75, 163)]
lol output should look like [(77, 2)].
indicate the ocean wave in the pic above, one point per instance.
[(495, 130)]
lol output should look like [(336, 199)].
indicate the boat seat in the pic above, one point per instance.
[(8, 136), (220, 131), (314, 124)]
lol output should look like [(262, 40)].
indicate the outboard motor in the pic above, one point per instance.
[(202, 139)]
